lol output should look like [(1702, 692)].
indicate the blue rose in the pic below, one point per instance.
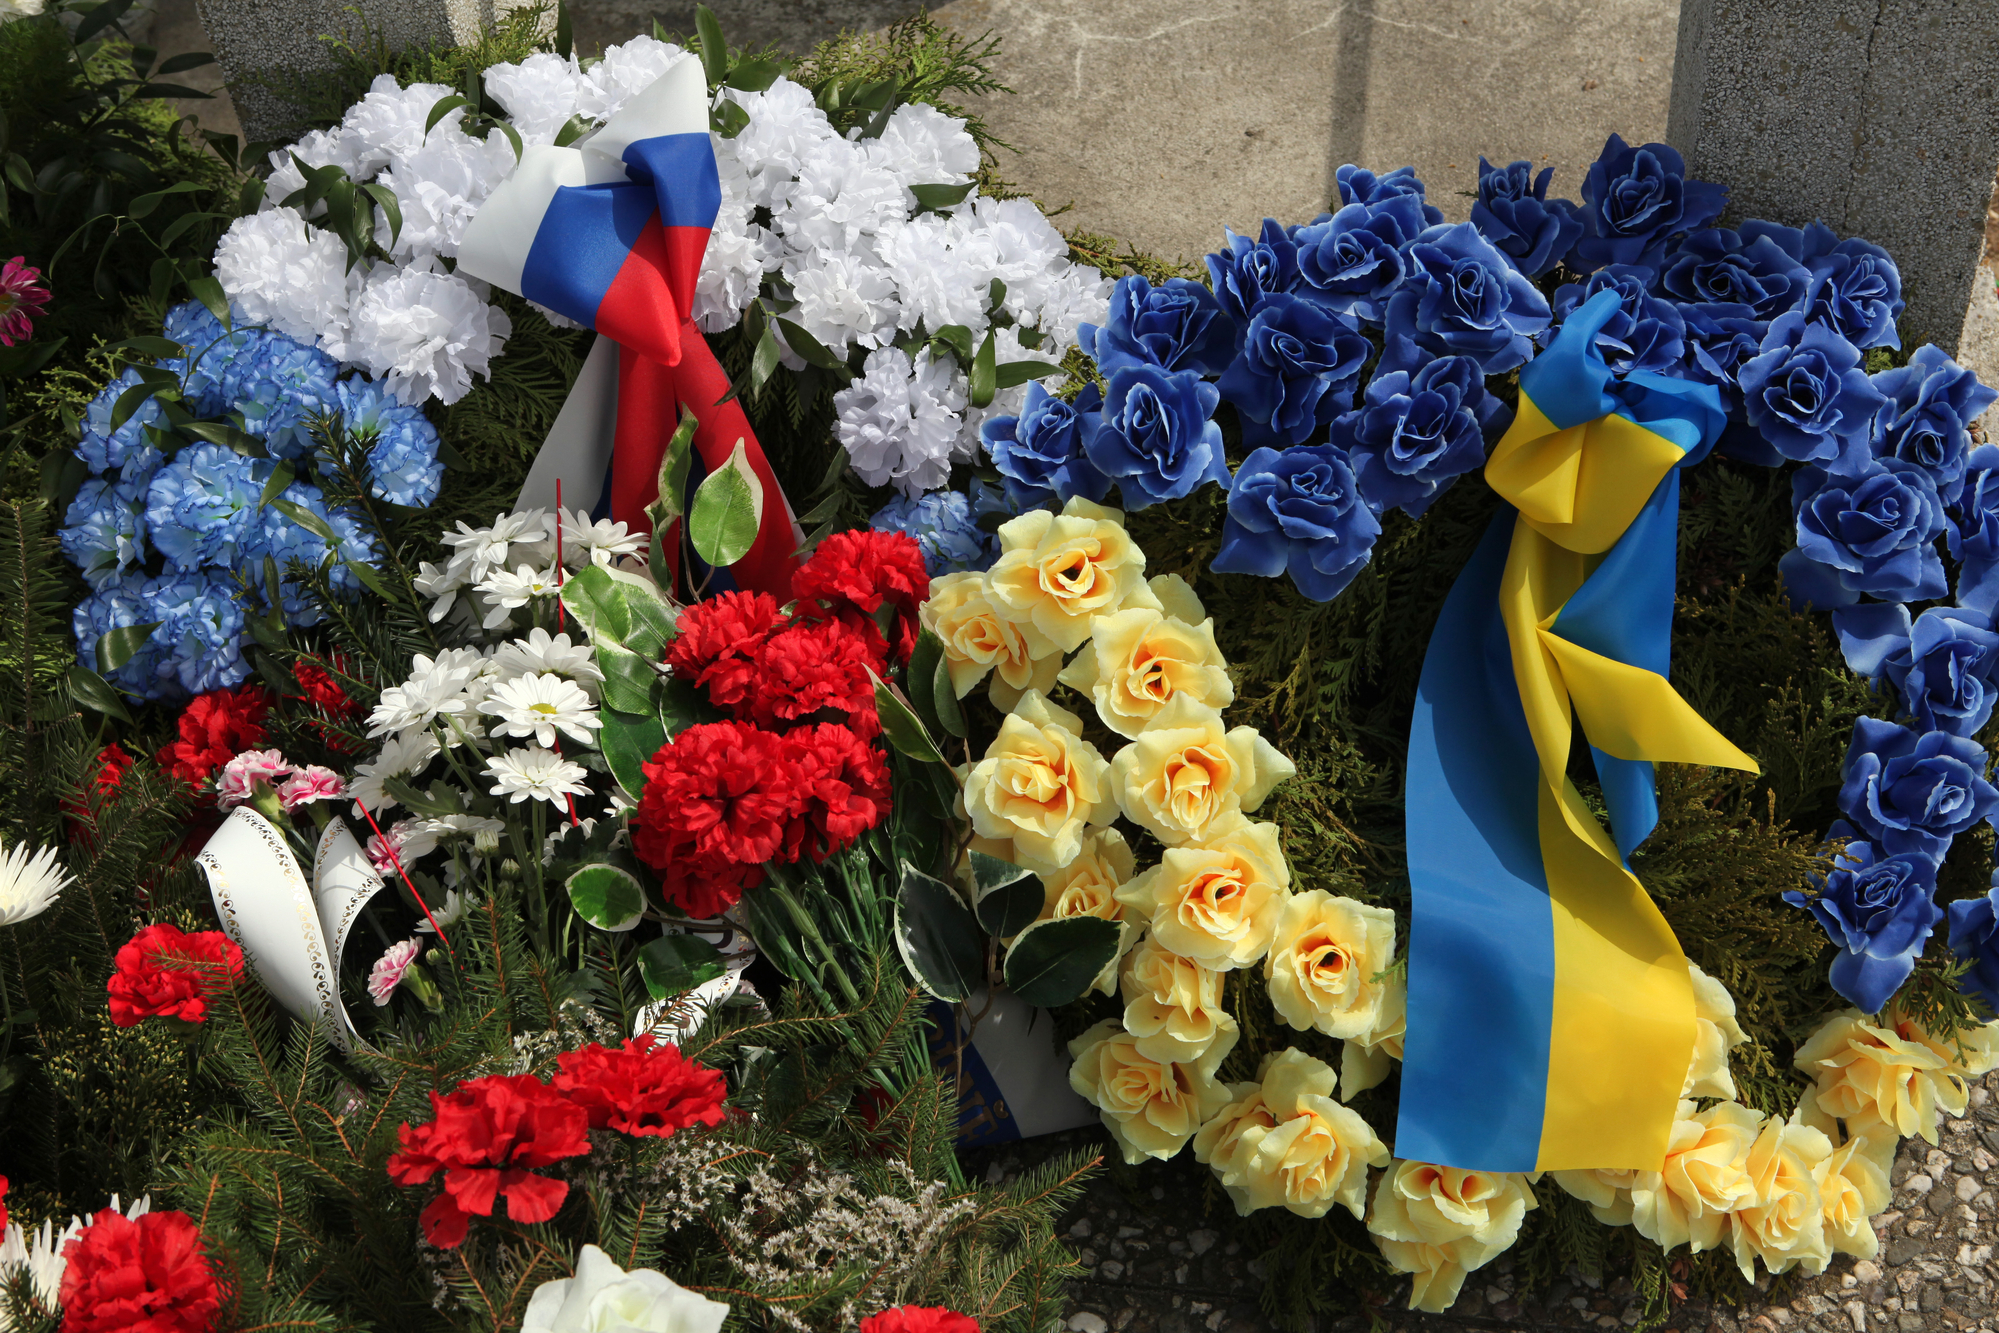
[(1514, 213), (1949, 673), (1645, 333), (943, 527), (1720, 267), (1880, 911), (1634, 201), (1720, 341), (1974, 938), (1351, 261), (1931, 401), (1298, 511), (104, 531), (283, 387), (403, 467), (1974, 533), (1178, 325), (1416, 434), (1158, 439), (1874, 534), (1805, 390), (203, 508), (1911, 793), (1040, 453), (1358, 185), (1461, 297), (1248, 270), (1857, 290), (1297, 371)]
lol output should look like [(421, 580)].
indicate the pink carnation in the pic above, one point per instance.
[(392, 850), (240, 775), (309, 784), (387, 973)]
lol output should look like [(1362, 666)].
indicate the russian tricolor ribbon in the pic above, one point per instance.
[(1550, 1012), (610, 233)]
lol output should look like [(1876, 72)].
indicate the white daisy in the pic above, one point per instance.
[(596, 542), (486, 548), (441, 586), (542, 651), (519, 774), (401, 756), (29, 882), (455, 905), (433, 689), (40, 1252), (541, 705), (504, 592)]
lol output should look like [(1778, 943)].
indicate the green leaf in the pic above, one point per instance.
[(937, 937), (98, 19), (226, 435), (306, 519), (675, 964), (576, 127), (385, 198), (371, 577), (128, 403), (628, 680), (728, 119), (808, 347), (565, 29), (1052, 963), (281, 476), (209, 292), (944, 694), (753, 76), (117, 647), (180, 64), (921, 678), (91, 690), (158, 348), (619, 611), (728, 507), (901, 725), (939, 196), (765, 361), (714, 50), (959, 339), (628, 741), (422, 802), (1009, 898), (981, 374), (441, 108), (674, 465), (995, 295), (1014, 373), (607, 897)]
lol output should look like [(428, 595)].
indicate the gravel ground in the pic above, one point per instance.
[(1161, 1261)]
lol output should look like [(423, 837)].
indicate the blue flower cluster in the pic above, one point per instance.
[(946, 526), (172, 531)]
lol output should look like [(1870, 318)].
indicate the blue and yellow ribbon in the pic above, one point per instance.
[(1551, 1019)]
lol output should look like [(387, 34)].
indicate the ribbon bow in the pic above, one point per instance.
[(1550, 1022), (610, 234)]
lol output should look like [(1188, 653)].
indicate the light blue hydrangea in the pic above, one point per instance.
[(944, 525), (203, 507), (403, 458), (201, 629), (283, 385), (104, 532), (116, 606), (103, 448)]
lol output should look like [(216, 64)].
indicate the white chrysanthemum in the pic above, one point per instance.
[(628, 68), (923, 146), (839, 201), (440, 187), (842, 299), (29, 882), (39, 1253), (424, 333), (899, 421), (535, 772), (439, 586), (435, 688), (539, 95), (541, 705), (507, 590), (455, 906), (944, 269), (279, 271), (785, 124), (321, 148), (588, 541), (387, 126), (401, 756), (485, 549), (542, 651), (739, 253)]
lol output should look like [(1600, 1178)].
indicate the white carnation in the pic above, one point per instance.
[(1077, 295), (944, 269), (923, 146), (899, 422), (739, 254), (321, 148), (281, 272), (839, 200), (1028, 252), (1006, 402), (387, 126), (628, 68), (539, 95), (439, 189), (842, 299), (428, 333), (785, 124)]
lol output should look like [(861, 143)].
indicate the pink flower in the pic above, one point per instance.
[(387, 973), (309, 784), (21, 299), (402, 842), (238, 782)]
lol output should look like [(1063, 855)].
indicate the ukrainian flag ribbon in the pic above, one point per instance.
[(1551, 1019)]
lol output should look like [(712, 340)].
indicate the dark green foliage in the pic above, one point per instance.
[(929, 62)]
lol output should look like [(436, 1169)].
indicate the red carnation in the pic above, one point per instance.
[(164, 972), (718, 642), (214, 729), (485, 1137), (113, 762), (647, 1088), (806, 668), (320, 687), (847, 789), (3, 1203), (860, 571), (919, 1319), (138, 1275), (717, 799)]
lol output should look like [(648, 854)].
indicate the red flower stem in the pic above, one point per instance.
[(396, 860)]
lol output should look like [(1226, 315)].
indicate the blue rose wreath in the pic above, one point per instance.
[(207, 482), (1366, 356)]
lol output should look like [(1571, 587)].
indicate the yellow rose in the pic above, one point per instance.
[(1041, 784), (1852, 1189), (1217, 903), (1440, 1223), (1323, 962), (1150, 1108), (1706, 1177), (1173, 1005), (1058, 572), (1892, 1082), (977, 640), (1607, 1192), (1784, 1225), (1139, 659), (1364, 1059), (1184, 775), (1313, 1154), (1231, 1134), (1715, 1031), (1088, 886)]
